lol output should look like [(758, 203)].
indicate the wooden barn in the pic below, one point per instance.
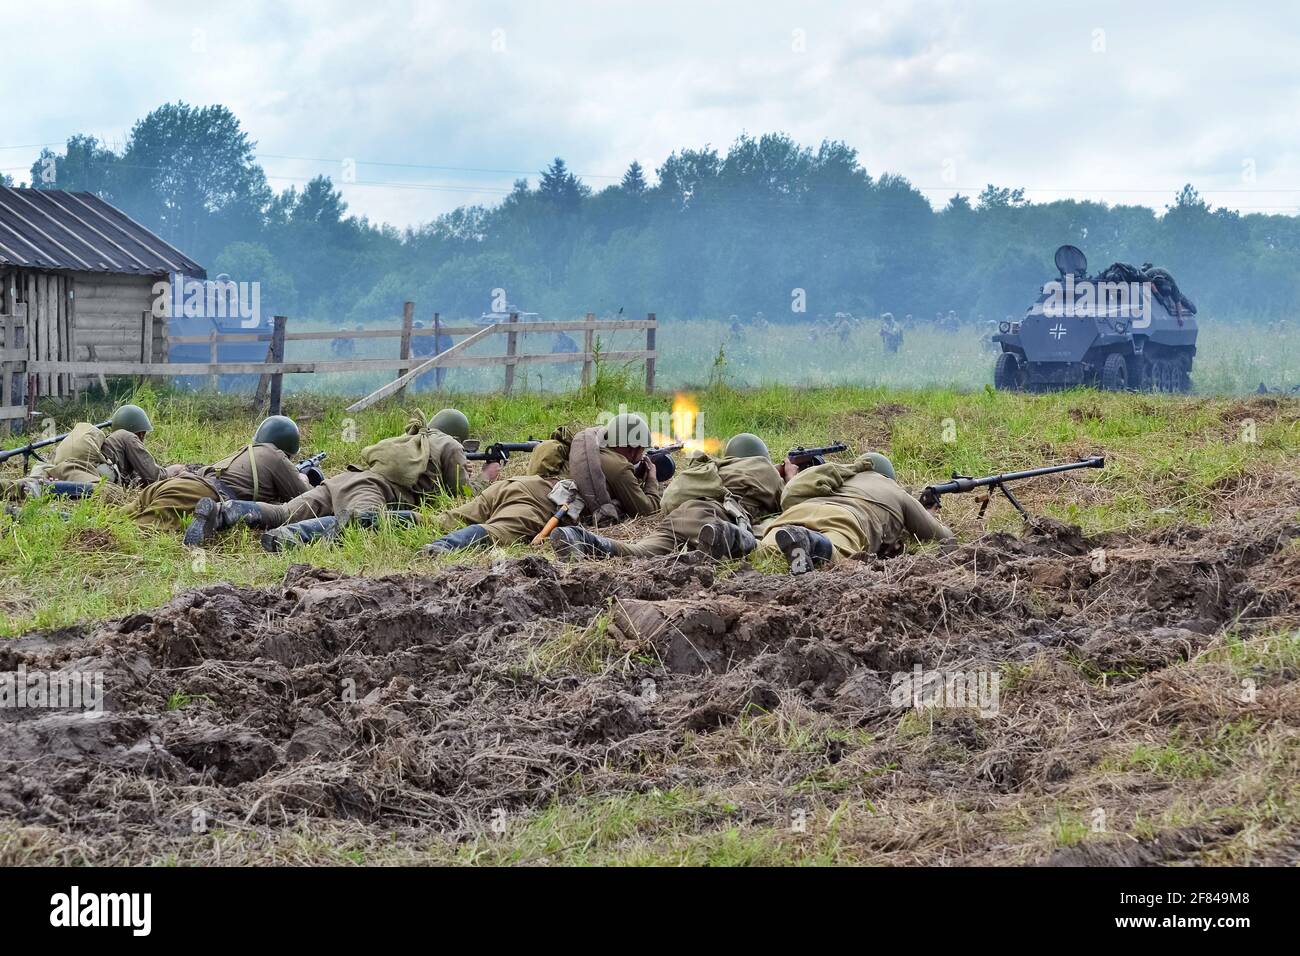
[(83, 273)]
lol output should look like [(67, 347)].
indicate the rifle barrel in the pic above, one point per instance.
[(960, 483)]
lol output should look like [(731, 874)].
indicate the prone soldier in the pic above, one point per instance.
[(605, 467), (400, 472), (712, 505), (834, 511)]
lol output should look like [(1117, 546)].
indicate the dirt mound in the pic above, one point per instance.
[(419, 705)]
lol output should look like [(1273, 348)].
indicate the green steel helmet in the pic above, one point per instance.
[(881, 465), (131, 418), (746, 445), (451, 421), (280, 431), (627, 431)]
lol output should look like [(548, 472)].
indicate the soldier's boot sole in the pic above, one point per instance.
[(201, 528), (571, 542), (723, 540), (804, 550)]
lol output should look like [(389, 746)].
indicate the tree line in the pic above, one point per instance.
[(769, 226)]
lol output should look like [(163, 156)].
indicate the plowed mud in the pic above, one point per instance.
[(418, 712)]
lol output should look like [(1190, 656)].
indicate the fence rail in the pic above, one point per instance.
[(406, 363)]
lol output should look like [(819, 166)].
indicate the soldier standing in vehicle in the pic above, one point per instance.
[(835, 511), (712, 505)]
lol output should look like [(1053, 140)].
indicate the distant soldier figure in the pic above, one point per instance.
[(843, 326), (733, 324), (343, 345), (563, 343), (953, 323), (891, 333)]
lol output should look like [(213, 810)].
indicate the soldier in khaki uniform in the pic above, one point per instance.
[(608, 466), (113, 462), (400, 472), (260, 471), (712, 505), (835, 511)]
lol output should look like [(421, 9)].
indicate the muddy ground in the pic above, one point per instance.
[(680, 710)]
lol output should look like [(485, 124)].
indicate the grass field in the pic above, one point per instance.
[(1233, 358), (501, 714), (1170, 460)]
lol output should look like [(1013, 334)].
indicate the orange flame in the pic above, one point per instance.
[(683, 421)]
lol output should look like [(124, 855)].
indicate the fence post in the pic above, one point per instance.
[(650, 359), (277, 355), (512, 345), (213, 378), (439, 373), (408, 323), (586, 349)]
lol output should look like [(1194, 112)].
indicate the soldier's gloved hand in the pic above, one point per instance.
[(491, 471)]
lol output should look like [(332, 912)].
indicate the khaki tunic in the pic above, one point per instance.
[(516, 509), (135, 466), (86, 456), (754, 484), (512, 509), (869, 512), (164, 503), (444, 470)]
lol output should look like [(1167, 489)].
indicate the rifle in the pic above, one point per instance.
[(499, 452), (311, 468), (803, 458), (29, 450), (960, 484), (663, 461)]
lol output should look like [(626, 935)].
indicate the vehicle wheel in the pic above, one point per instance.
[(1006, 373), (1114, 373)]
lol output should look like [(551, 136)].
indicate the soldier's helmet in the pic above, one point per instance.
[(131, 418), (280, 431), (452, 421), (627, 431), (419, 324), (881, 465), (747, 445)]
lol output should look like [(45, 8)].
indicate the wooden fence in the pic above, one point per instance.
[(408, 366)]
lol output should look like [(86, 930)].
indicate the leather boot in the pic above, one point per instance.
[(474, 535), (804, 549), (571, 541), (722, 539), (291, 536), (211, 516)]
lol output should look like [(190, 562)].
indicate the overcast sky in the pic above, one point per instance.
[(442, 104)]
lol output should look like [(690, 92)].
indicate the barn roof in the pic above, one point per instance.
[(56, 229)]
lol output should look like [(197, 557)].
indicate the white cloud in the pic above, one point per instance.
[(1013, 93)]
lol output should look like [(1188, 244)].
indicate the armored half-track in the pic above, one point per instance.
[(1124, 329)]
